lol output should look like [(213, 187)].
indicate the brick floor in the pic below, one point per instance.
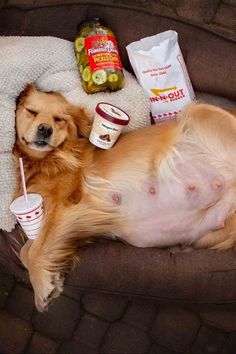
[(60, 320), (122, 338), (209, 340), (158, 349), (91, 330), (14, 333), (104, 306), (72, 347), (230, 344), (41, 344), (140, 314), (175, 328), (21, 302), (93, 323)]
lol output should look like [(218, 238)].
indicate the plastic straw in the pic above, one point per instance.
[(23, 179)]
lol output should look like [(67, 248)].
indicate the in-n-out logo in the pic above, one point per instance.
[(162, 95)]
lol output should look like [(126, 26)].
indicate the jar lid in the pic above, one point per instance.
[(112, 113), (89, 20)]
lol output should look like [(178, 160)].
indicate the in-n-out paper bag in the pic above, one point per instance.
[(160, 69)]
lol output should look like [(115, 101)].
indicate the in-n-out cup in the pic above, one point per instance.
[(108, 123), (29, 213)]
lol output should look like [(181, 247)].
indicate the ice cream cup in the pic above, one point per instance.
[(29, 213), (108, 123)]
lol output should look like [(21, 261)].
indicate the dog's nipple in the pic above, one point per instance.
[(220, 225), (152, 190), (191, 188), (116, 197), (217, 184)]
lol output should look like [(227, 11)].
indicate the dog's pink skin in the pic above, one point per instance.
[(184, 208)]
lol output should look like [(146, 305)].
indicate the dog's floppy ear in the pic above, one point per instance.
[(82, 118), (28, 89)]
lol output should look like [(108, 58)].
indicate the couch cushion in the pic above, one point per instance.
[(203, 276)]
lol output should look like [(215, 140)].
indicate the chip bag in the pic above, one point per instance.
[(159, 66)]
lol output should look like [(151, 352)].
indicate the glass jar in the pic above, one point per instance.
[(98, 57)]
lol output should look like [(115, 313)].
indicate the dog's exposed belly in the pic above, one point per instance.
[(176, 211)]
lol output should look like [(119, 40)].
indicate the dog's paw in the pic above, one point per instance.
[(46, 289)]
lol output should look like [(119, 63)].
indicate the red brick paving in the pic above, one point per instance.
[(41, 344), (98, 323)]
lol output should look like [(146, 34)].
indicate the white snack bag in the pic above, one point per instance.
[(160, 69)]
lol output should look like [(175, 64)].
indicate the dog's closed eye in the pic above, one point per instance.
[(58, 119), (31, 111), (62, 117)]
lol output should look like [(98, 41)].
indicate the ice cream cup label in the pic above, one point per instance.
[(108, 123), (29, 214)]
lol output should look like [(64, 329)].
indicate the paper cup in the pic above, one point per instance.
[(108, 123), (29, 214)]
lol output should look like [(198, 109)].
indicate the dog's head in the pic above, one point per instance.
[(44, 121)]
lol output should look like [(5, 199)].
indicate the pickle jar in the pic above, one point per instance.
[(98, 57)]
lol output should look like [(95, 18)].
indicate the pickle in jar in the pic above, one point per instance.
[(83, 60), (86, 74), (98, 57), (115, 80), (113, 77), (79, 44), (99, 77)]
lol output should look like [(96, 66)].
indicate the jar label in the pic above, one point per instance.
[(102, 52)]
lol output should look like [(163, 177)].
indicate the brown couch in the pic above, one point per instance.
[(208, 41)]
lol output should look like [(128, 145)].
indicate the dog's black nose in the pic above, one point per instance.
[(45, 130)]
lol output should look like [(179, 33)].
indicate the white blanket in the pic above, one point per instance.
[(49, 63)]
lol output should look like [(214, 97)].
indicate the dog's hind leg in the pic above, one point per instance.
[(220, 240)]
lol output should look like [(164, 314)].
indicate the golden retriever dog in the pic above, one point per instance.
[(164, 185)]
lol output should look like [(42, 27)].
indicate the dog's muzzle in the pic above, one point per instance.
[(43, 134), (44, 131)]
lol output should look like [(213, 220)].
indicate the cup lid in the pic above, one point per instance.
[(112, 113), (20, 206), (90, 20)]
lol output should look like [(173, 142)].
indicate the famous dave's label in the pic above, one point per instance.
[(102, 52)]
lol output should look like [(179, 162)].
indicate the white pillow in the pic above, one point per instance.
[(131, 99), (50, 63)]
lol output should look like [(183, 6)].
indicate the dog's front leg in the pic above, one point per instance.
[(55, 250), (46, 280)]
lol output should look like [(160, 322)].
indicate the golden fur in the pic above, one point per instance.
[(70, 174)]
